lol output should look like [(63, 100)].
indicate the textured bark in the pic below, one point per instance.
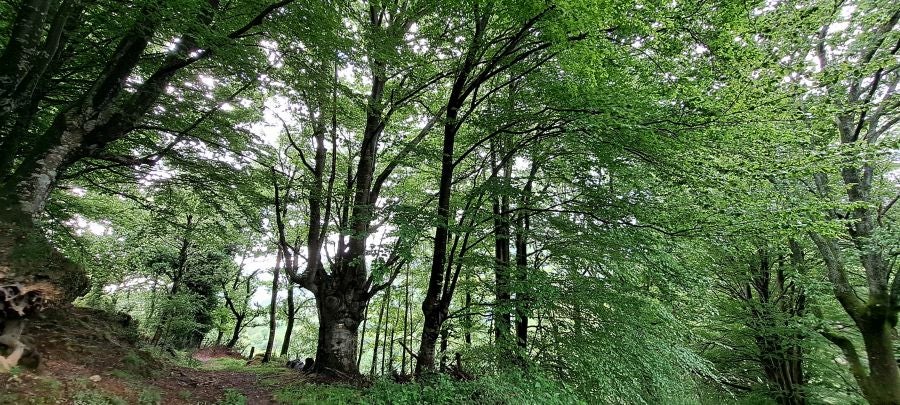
[(339, 319)]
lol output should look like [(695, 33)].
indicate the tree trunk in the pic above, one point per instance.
[(390, 361), (445, 334), (286, 343), (339, 319), (362, 335), (500, 206), (387, 324), (378, 333), (522, 298), (273, 313), (883, 385), (236, 333), (467, 319), (405, 325), (428, 342)]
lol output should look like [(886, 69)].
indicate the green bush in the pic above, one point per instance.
[(512, 387), (233, 397)]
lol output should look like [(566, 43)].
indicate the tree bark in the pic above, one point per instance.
[(378, 332), (236, 332), (339, 319), (362, 335), (273, 306), (502, 301), (406, 320), (286, 343)]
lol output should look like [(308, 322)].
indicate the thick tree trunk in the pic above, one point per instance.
[(883, 385), (339, 319)]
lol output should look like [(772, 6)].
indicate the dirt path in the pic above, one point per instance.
[(212, 386)]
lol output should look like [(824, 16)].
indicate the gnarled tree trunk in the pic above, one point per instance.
[(339, 318)]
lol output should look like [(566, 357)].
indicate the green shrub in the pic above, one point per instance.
[(233, 397), (91, 397), (318, 394), (511, 387), (150, 396)]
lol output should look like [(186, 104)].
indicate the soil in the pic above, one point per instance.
[(89, 353)]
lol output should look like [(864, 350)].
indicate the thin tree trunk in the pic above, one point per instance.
[(286, 343), (362, 336), (522, 298), (273, 306), (405, 325), (391, 350), (501, 309), (387, 324), (378, 331), (467, 320)]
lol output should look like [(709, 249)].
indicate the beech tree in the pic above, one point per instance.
[(511, 201)]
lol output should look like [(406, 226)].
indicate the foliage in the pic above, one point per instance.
[(569, 201)]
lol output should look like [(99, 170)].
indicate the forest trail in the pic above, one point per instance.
[(89, 356)]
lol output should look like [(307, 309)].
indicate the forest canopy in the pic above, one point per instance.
[(535, 201)]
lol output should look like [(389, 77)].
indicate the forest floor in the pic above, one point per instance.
[(91, 357)]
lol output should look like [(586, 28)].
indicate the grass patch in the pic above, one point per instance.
[(318, 394), (233, 397), (92, 397), (150, 396), (225, 364), (124, 375)]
